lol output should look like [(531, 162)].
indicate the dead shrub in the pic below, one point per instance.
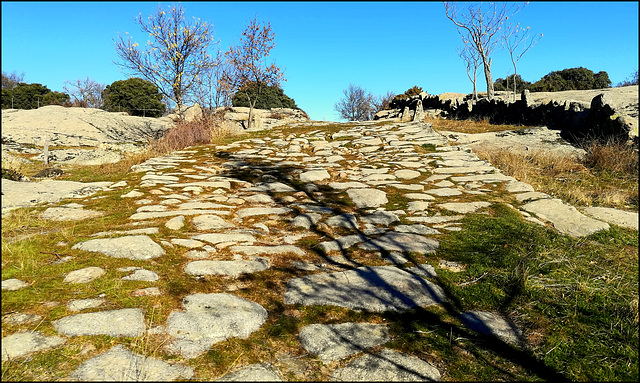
[(196, 132)]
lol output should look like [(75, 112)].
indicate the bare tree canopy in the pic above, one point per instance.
[(10, 81), (247, 63), (209, 91), (174, 57), (472, 61), (357, 104), (86, 93), (479, 24), (518, 40)]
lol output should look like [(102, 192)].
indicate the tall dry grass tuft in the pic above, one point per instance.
[(478, 125), (612, 156), (197, 132), (606, 176)]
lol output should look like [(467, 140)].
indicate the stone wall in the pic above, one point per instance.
[(575, 119)]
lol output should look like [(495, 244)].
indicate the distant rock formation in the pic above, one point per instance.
[(607, 116), (236, 118)]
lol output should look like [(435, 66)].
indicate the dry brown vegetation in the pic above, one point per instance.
[(607, 175), (468, 126)]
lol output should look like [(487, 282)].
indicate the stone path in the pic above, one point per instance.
[(254, 201)]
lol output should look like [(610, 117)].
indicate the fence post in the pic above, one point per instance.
[(45, 153)]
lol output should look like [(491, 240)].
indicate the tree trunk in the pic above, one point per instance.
[(487, 75), (515, 75), (251, 105)]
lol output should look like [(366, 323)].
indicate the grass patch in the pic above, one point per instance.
[(573, 297)]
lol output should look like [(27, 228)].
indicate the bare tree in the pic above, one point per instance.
[(10, 81), (86, 93), (248, 67), (518, 40), (472, 61), (209, 91), (174, 58), (479, 29), (357, 104), (382, 102)]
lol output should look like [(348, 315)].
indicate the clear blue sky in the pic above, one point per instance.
[(325, 46)]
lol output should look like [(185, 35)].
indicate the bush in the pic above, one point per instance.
[(572, 79), (268, 97), (501, 83), (135, 96), (414, 91), (31, 96)]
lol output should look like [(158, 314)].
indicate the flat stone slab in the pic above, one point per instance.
[(348, 185), (306, 220), (380, 218), (416, 229), (365, 198), (337, 341), (314, 175), (83, 304), (210, 222), (138, 247), (259, 372), (273, 250), (123, 322), (212, 318), (233, 268), (444, 192), (22, 194), (387, 366), (120, 364), (20, 318), (13, 284), (628, 219), (216, 238), (377, 289), (407, 174), (252, 211), (565, 218), (420, 196), (141, 275), (161, 214), (464, 207), (489, 323), (24, 343), (176, 223), (85, 275), (404, 242), (69, 214), (341, 243), (350, 221)]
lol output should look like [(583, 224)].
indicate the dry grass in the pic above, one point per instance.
[(185, 134), (606, 176), (468, 126)]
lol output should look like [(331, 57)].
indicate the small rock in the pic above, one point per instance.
[(24, 343), (85, 275), (13, 284), (175, 223)]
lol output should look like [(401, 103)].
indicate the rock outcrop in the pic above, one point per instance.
[(236, 118), (607, 115)]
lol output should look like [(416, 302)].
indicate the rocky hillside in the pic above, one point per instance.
[(96, 136)]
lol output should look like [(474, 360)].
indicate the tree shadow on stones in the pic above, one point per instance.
[(402, 319)]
